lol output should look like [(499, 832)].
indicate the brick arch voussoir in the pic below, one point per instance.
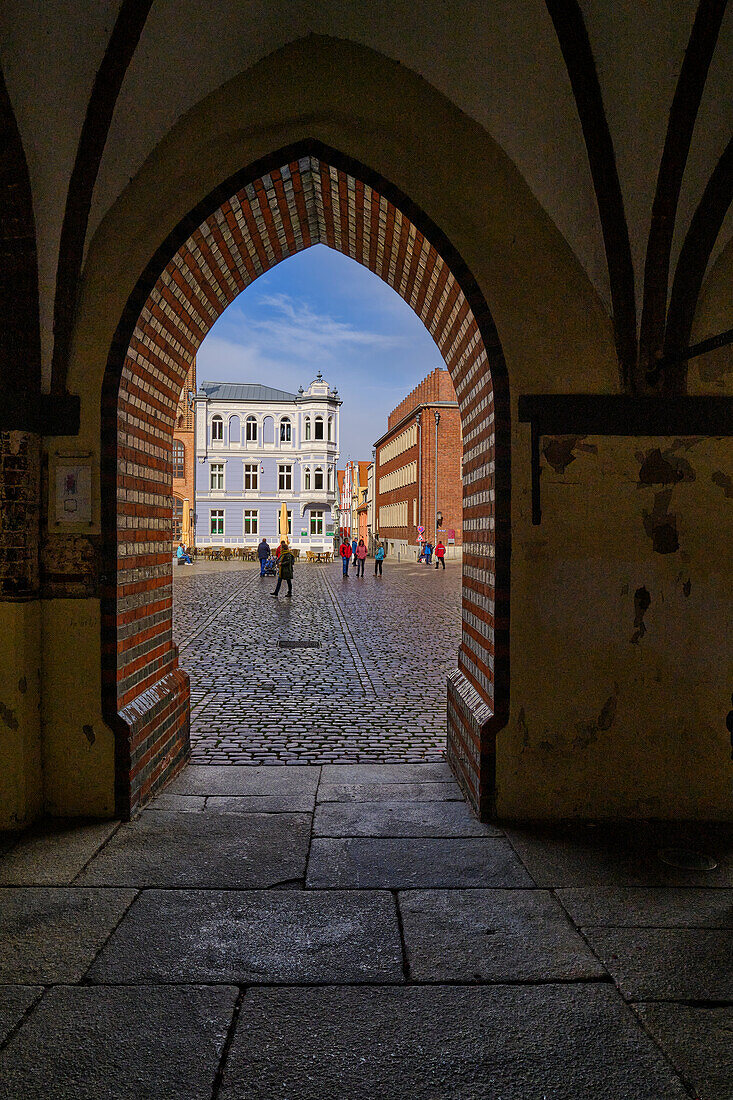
[(304, 196)]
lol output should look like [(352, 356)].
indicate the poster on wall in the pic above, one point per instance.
[(74, 494)]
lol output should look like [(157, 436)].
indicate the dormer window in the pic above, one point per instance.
[(307, 427), (217, 429), (250, 432), (319, 428), (286, 431)]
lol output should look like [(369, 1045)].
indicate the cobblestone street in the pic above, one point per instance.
[(373, 691)]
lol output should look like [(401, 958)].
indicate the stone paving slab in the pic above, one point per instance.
[(53, 853), (398, 819), (270, 936), (661, 907), (624, 855), (374, 792), (492, 936), (386, 773), (364, 862), (285, 788), (51, 934), (146, 1043), (178, 803), (14, 1001), (698, 1042), (172, 849), (431, 1043), (650, 964)]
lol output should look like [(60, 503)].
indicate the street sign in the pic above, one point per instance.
[(421, 531)]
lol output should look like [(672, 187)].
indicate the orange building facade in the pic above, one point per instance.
[(183, 457), (418, 471)]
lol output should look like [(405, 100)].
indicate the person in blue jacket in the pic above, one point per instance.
[(428, 552), (354, 545), (378, 559), (182, 555), (263, 553)]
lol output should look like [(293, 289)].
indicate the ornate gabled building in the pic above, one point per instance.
[(257, 448)]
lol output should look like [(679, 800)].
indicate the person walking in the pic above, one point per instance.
[(285, 565), (354, 545), (440, 555), (263, 553), (428, 552), (378, 559), (345, 552), (361, 553)]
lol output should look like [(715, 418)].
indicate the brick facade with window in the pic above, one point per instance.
[(183, 456), (405, 470)]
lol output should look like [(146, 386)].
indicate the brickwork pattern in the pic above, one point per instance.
[(303, 202), (20, 479)]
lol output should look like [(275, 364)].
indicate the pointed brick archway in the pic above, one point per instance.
[(303, 195)]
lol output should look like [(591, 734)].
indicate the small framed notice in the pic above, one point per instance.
[(72, 493)]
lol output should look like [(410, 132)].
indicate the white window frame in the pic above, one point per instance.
[(216, 515), (217, 429), (285, 477), (307, 479), (316, 524), (252, 471), (216, 472), (330, 429), (307, 427), (251, 517), (286, 430), (318, 472), (318, 421), (251, 429)]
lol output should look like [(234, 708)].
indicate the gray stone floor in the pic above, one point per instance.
[(374, 691), (329, 933)]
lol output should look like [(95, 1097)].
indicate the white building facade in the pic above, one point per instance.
[(257, 448)]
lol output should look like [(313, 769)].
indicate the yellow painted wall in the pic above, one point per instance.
[(665, 751), (21, 777), (78, 748)]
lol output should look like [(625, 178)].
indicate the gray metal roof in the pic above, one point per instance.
[(243, 391)]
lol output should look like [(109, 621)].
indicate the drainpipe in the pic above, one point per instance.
[(435, 514)]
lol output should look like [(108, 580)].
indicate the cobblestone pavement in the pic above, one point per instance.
[(373, 691)]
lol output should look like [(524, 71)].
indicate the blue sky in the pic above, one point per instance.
[(320, 310)]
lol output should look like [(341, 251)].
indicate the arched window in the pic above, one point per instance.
[(330, 478), (217, 429), (234, 429), (307, 427), (319, 428), (330, 429), (251, 429), (307, 478), (177, 518), (318, 478), (268, 430), (286, 431), (179, 459)]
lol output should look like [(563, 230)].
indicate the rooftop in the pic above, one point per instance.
[(244, 391)]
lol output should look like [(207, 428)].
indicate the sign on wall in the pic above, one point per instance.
[(70, 486)]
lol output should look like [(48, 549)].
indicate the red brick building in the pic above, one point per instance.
[(184, 459), (414, 481)]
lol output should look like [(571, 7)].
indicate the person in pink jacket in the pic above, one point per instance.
[(361, 553)]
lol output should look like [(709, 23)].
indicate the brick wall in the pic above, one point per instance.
[(20, 479), (299, 203)]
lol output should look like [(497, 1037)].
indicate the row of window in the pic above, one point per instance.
[(252, 519), (251, 429), (284, 477), (400, 443), (405, 475), (393, 515)]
